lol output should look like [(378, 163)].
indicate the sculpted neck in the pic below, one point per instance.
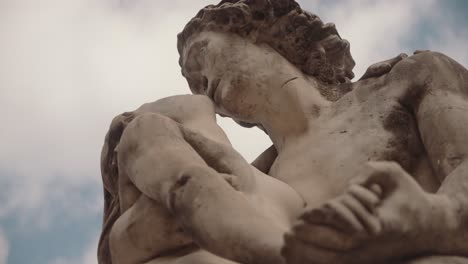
[(292, 111)]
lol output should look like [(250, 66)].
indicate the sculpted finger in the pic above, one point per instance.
[(376, 189), (317, 215), (346, 216), (298, 252), (365, 196), (323, 236), (367, 218), (397, 59), (376, 70), (328, 216), (381, 68), (381, 174), (390, 175)]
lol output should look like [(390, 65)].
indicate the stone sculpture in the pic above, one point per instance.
[(374, 171)]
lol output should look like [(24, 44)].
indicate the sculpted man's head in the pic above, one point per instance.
[(262, 41)]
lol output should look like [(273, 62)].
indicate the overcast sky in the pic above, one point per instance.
[(68, 66)]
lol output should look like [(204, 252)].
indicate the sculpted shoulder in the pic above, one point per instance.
[(425, 67), (413, 77), (181, 108)]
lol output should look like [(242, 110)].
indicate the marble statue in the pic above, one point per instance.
[(372, 171)]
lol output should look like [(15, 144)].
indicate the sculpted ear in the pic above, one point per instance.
[(380, 68)]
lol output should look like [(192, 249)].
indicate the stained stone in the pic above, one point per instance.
[(372, 171)]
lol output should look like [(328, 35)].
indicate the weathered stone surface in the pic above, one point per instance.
[(374, 171)]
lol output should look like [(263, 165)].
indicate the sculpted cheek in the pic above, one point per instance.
[(236, 97)]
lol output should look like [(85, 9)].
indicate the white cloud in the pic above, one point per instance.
[(40, 204), (69, 66), (450, 40), (4, 248), (89, 256), (375, 29)]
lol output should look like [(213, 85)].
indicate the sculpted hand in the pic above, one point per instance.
[(380, 68), (376, 219), (330, 233)]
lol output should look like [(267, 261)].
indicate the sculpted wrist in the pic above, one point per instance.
[(445, 225)]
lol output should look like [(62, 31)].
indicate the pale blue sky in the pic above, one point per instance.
[(69, 66)]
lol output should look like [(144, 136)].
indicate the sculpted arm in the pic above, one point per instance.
[(432, 223), (193, 178), (442, 116), (438, 97)]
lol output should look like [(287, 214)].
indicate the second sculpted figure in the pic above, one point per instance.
[(374, 171)]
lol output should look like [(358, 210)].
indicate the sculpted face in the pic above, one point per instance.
[(242, 79)]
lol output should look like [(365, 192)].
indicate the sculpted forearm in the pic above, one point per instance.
[(453, 196), (441, 111), (224, 221), (153, 154), (173, 167)]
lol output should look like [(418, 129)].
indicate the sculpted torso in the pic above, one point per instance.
[(373, 122), (368, 124)]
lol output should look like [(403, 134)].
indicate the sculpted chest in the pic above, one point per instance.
[(354, 132)]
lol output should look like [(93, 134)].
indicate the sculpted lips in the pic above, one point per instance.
[(212, 89)]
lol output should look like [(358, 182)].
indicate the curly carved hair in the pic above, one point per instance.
[(299, 36)]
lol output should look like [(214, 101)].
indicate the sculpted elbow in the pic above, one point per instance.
[(193, 182)]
